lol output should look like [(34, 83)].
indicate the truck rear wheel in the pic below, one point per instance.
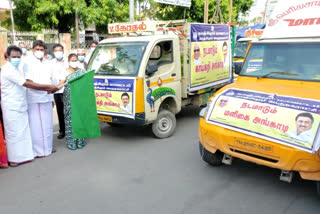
[(165, 124), (214, 159), (318, 188)]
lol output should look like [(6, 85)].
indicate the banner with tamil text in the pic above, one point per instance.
[(290, 121), (115, 96), (210, 62)]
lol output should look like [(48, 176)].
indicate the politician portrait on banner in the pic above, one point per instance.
[(210, 54), (291, 121), (115, 96)]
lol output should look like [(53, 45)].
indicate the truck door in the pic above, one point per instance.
[(163, 75)]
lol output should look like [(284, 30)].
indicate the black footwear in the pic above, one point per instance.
[(61, 135)]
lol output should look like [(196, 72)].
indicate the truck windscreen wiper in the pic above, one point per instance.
[(275, 72)]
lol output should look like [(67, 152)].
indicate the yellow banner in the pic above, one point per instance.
[(287, 120), (210, 62)]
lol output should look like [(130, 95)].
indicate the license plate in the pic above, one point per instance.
[(253, 146), (105, 118)]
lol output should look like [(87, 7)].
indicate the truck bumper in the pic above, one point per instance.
[(259, 151), (138, 120)]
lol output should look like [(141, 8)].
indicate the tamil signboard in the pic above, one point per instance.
[(210, 62), (291, 121), (131, 27), (115, 96), (183, 3), (294, 19)]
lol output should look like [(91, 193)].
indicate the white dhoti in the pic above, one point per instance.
[(17, 135), (41, 127)]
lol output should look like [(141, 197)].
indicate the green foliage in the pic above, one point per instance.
[(196, 12), (36, 15)]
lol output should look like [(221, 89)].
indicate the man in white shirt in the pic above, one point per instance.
[(81, 53), (303, 130), (196, 54), (59, 66), (93, 46), (40, 103), (24, 50), (126, 107), (225, 54), (14, 107)]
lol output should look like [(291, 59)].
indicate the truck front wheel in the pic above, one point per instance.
[(165, 124), (210, 158)]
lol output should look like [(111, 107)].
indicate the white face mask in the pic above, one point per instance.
[(92, 49), (73, 64), (39, 54), (58, 54)]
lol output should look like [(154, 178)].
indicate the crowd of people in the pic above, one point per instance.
[(31, 85)]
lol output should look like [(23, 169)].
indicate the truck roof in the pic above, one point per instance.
[(288, 40), (294, 19), (138, 38)]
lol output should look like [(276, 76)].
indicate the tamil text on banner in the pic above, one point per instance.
[(210, 55), (131, 27), (183, 3), (286, 120), (115, 96), (85, 123), (294, 19)]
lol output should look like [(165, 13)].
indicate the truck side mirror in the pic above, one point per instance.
[(237, 68), (152, 68)]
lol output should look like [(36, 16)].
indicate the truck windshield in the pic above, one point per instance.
[(240, 49), (292, 61), (119, 59)]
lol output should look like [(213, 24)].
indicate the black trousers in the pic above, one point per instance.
[(58, 98)]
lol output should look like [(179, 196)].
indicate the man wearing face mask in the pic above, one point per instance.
[(93, 46), (15, 108), (59, 65), (37, 69), (24, 50), (81, 57)]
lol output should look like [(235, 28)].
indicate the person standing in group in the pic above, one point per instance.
[(15, 108), (93, 46), (40, 103), (81, 56), (24, 50), (59, 66), (3, 152), (74, 72)]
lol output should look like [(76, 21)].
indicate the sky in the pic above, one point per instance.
[(4, 4), (257, 8)]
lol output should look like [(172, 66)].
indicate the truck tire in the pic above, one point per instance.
[(165, 124), (210, 158), (318, 188)]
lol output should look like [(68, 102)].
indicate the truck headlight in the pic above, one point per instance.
[(203, 112)]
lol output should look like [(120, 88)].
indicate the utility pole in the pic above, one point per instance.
[(206, 8), (131, 10), (77, 27), (230, 11), (12, 22)]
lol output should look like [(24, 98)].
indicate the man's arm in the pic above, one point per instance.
[(41, 87)]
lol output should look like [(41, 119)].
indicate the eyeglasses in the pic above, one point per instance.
[(196, 50), (224, 101)]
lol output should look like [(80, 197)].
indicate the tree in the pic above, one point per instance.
[(195, 13), (35, 15)]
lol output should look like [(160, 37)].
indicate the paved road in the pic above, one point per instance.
[(129, 171)]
